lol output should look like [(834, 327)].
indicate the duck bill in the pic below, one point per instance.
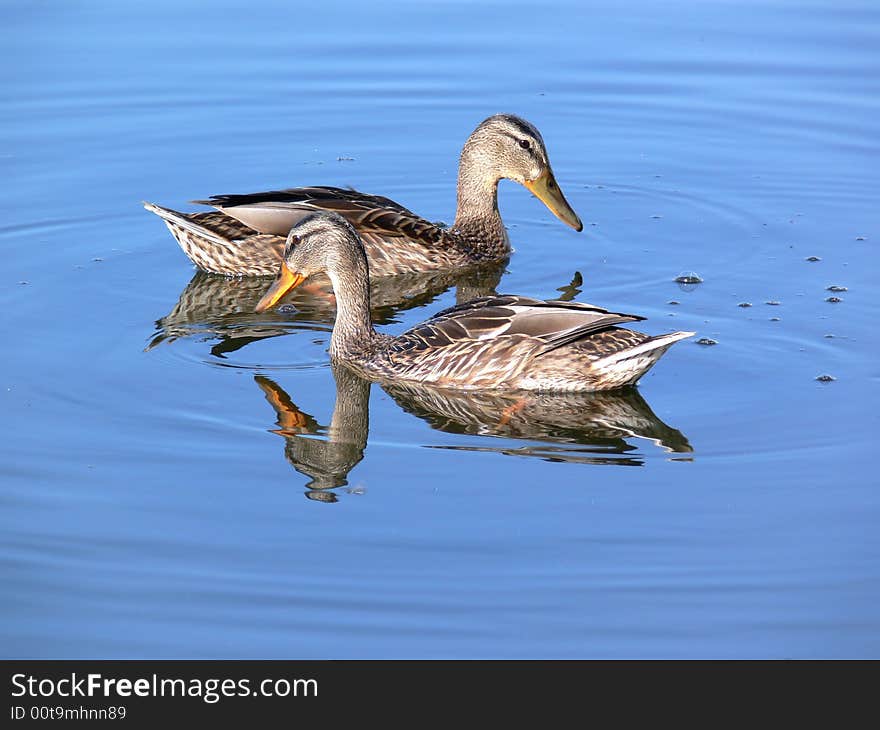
[(284, 282), (547, 190)]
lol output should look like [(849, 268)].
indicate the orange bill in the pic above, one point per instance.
[(547, 190), (284, 282)]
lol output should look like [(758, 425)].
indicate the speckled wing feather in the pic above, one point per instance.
[(396, 239), (326, 197), (493, 340), (553, 323), (222, 226), (372, 215), (247, 234), (222, 245)]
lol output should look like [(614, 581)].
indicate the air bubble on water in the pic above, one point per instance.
[(835, 287), (707, 341), (688, 280), (825, 378), (833, 300), (812, 258)]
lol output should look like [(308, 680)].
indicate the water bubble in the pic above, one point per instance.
[(833, 300), (688, 280), (708, 341), (835, 287), (812, 258), (773, 303), (825, 378), (673, 302), (775, 319), (744, 304)]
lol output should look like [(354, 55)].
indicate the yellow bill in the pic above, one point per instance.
[(284, 282), (547, 190)]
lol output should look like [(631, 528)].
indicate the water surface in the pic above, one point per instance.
[(173, 480)]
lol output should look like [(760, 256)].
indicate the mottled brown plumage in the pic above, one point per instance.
[(246, 237), (497, 342)]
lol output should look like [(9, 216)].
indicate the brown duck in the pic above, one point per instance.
[(246, 236), (496, 342)]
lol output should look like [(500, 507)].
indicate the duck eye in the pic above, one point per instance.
[(525, 144)]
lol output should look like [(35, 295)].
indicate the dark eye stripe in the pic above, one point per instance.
[(528, 146)]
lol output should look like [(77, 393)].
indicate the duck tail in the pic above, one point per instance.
[(627, 366), (175, 221)]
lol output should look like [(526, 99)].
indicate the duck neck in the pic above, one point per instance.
[(477, 220), (353, 331)]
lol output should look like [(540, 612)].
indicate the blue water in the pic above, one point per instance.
[(150, 511)]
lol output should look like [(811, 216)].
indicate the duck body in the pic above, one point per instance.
[(396, 240), (510, 342), (497, 342), (246, 235)]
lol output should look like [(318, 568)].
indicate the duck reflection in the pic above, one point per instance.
[(213, 307), (585, 428), (328, 454)]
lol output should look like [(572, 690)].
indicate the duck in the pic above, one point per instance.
[(245, 235), (501, 342)]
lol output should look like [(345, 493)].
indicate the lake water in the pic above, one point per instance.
[(727, 508)]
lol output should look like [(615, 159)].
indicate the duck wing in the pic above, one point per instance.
[(375, 217), (550, 324)]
